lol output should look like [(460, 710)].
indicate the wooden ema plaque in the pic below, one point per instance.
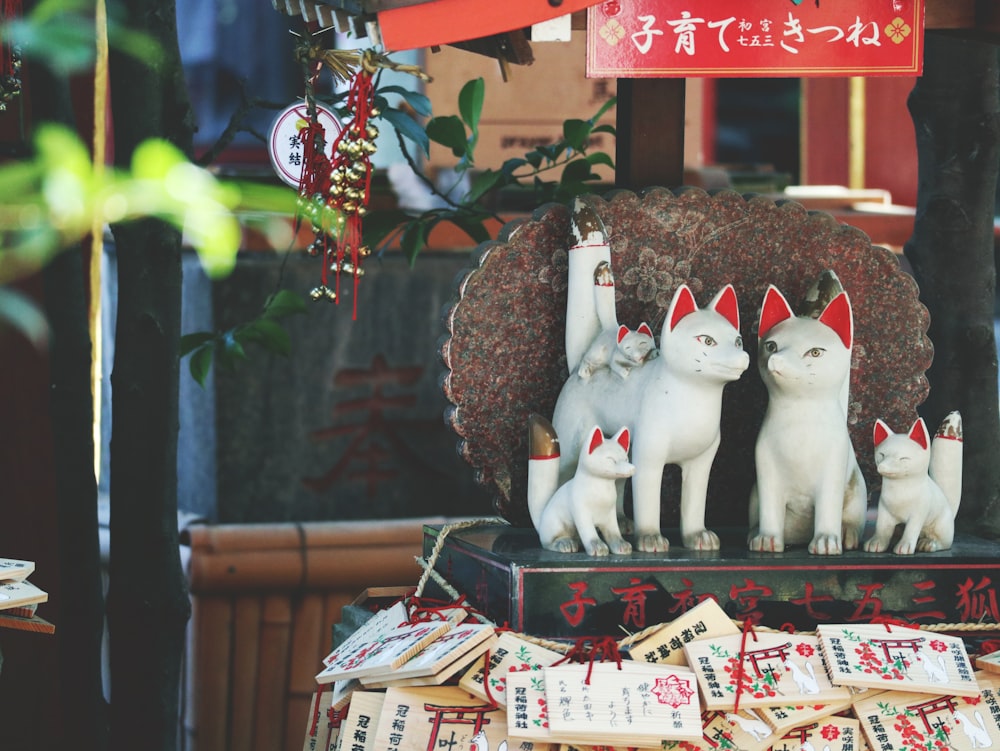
[(763, 668), (911, 721), (447, 655), (784, 716), (897, 658), (635, 706), (378, 647), (363, 716), (323, 724), (12, 569), (439, 717), (15, 594), (487, 678), (666, 644)]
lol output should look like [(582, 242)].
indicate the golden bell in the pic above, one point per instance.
[(318, 293), (364, 251), (336, 190), (362, 210), (371, 131), (349, 206), (374, 112)]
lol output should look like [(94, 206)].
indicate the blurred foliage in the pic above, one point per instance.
[(568, 157)]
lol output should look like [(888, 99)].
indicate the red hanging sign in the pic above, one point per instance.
[(759, 38)]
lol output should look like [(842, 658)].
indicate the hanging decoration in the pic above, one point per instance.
[(10, 56), (335, 181)]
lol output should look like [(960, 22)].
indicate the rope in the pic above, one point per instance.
[(446, 530)]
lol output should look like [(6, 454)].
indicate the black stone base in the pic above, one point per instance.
[(505, 573)]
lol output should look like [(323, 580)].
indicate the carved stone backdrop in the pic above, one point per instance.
[(504, 350)]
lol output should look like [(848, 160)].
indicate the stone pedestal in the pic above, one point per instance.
[(505, 573)]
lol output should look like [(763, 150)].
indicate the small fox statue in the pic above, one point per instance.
[(921, 486), (571, 515)]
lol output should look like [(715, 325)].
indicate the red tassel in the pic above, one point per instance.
[(9, 10)]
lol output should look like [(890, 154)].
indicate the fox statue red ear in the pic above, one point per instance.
[(881, 432), (726, 305), (773, 311), (596, 439), (918, 434), (623, 438), (622, 331), (644, 329), (683, 304), (837, 315)]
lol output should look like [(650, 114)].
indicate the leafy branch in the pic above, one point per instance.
[(228, 347)]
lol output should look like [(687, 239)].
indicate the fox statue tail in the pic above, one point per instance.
[(590, 285), (946, 459), (543, 465)]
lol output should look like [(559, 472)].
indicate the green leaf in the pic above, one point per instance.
[(449, 131), (20, 312), (576, 132), (470, 103), (193, 341), (534, 158), (407, 127), (284, 303), (421, 103), (379, 225), (473, 227), (154, 159), (611, 102), (605, 129), (600, 157), (482, 184), (269, 334), (200, 363), (510, 166), (415, 238), (231, 350), (575, 171)]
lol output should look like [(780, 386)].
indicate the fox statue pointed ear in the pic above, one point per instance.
[(773, 311), (838, 316), (596, 439), (623, 438), (725, 304), (682, 304), (881, 432), (644, 329), (918, 434), (622, 331)]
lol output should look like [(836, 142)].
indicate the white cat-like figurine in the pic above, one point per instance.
[(809, 485), (621, 350), (921, 486), (572, 514), (673, 405)]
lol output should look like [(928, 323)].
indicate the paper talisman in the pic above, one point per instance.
[(433, 717), (510, 653), (635, 705), (776, 668), (666, 644), (912, 721), (363, 717), (897, 658), (387, 652)]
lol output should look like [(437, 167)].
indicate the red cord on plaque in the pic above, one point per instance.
[(747, 629)]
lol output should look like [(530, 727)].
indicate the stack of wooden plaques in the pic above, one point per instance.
[(19, 598), (697, 683)]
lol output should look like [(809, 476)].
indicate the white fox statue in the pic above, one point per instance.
[(921, 486), (571, 515), (672, 404), (809, 486)]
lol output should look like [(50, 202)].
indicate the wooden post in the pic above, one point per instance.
[(650, 143)]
